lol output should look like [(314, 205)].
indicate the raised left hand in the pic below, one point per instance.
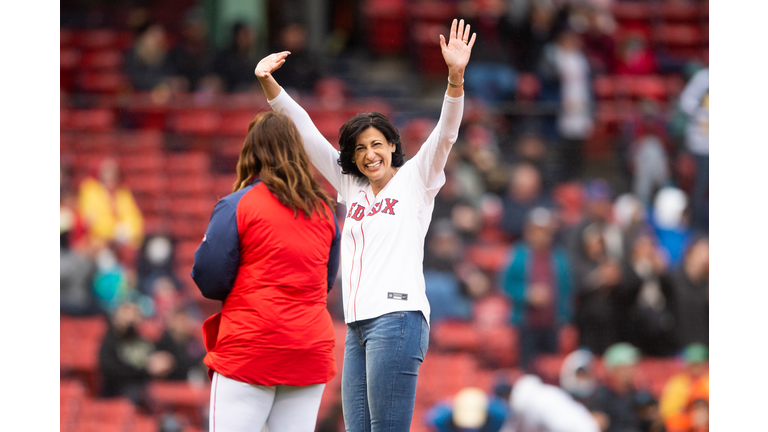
[(456, 52)]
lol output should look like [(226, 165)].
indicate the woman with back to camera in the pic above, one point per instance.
[(270, 253), (389, 204)]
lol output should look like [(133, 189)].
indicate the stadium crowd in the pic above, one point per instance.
[(576, 202)]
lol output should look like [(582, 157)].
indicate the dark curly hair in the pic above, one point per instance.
[(349, 132)]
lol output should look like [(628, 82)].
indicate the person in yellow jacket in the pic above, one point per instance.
[(677, 392), (110, 212)]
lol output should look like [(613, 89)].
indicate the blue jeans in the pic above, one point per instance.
[(381, 364)]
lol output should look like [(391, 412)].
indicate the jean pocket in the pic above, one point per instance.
[(424, 340)]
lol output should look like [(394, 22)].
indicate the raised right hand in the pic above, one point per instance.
[(270, 64)]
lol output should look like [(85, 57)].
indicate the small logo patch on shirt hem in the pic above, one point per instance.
[(397, 296)]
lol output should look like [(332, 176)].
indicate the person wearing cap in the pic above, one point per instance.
[(615, 399), (470, 410), (524, 194), (678, 390), (538, 281)]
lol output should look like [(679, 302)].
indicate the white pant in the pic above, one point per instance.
[(242, 407)]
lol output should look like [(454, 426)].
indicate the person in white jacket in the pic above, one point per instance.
[(389, 202), (542, 407)]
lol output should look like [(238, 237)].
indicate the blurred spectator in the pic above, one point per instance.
[(649, 162), (538, 281), (670, 219), (544, 21), (650, 325), (236, 64), (598, 211), (448, 298), (531, 149), (180, 340), (635, 57), (127, 360), (599, 45), (525, 193), (565, 61), (647, 409), (109, 209), (156, 260), (542, 407), (577, 375), (629, 215), (304, 70), (614, 402), (696, 416), (471, 410), (680, 389), (193, 57), (491, 76), (110, 283), (694, 102), (690, 282), (604, 285), (76, 267), (147, 64)]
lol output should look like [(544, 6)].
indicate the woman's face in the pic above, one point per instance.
[(373, 154)]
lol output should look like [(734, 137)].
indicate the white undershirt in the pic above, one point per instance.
[(382, 249)]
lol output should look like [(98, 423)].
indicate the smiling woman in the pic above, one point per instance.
[(370, 147), (385, 304)]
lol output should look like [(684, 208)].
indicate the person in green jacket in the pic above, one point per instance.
[(538, 281)]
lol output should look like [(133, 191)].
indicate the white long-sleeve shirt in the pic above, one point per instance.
[(694, 101), (382, 250)]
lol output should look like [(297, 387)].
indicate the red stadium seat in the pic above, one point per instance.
[(677, 35), (604, 87), (141, 142), (625, 11), (180, 397), (66, 37), (146, 162), (109, 59), (454, 336), (191, 186), (96, 119), (80, 340), (102, 82), (236, 123), (198, 208), (103, 39), (195, 163), (678, 11), (144, 423), (385, 25), (196, 122), (69, 59)]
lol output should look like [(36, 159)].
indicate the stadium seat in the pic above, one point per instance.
[(677, 35), (489, 257), (95, 119), (197, 208), (66, 37), (194, 163), (191, 185), (196, 122), (180, 397), (96, 39), (631, 11), (80, 340), (69, 59), (140, 142), (385, 28), (109, 59), (569, 198), (454, 336), (144, 423), (107, 82), (678, 11), (236, 123), (604, 87)]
